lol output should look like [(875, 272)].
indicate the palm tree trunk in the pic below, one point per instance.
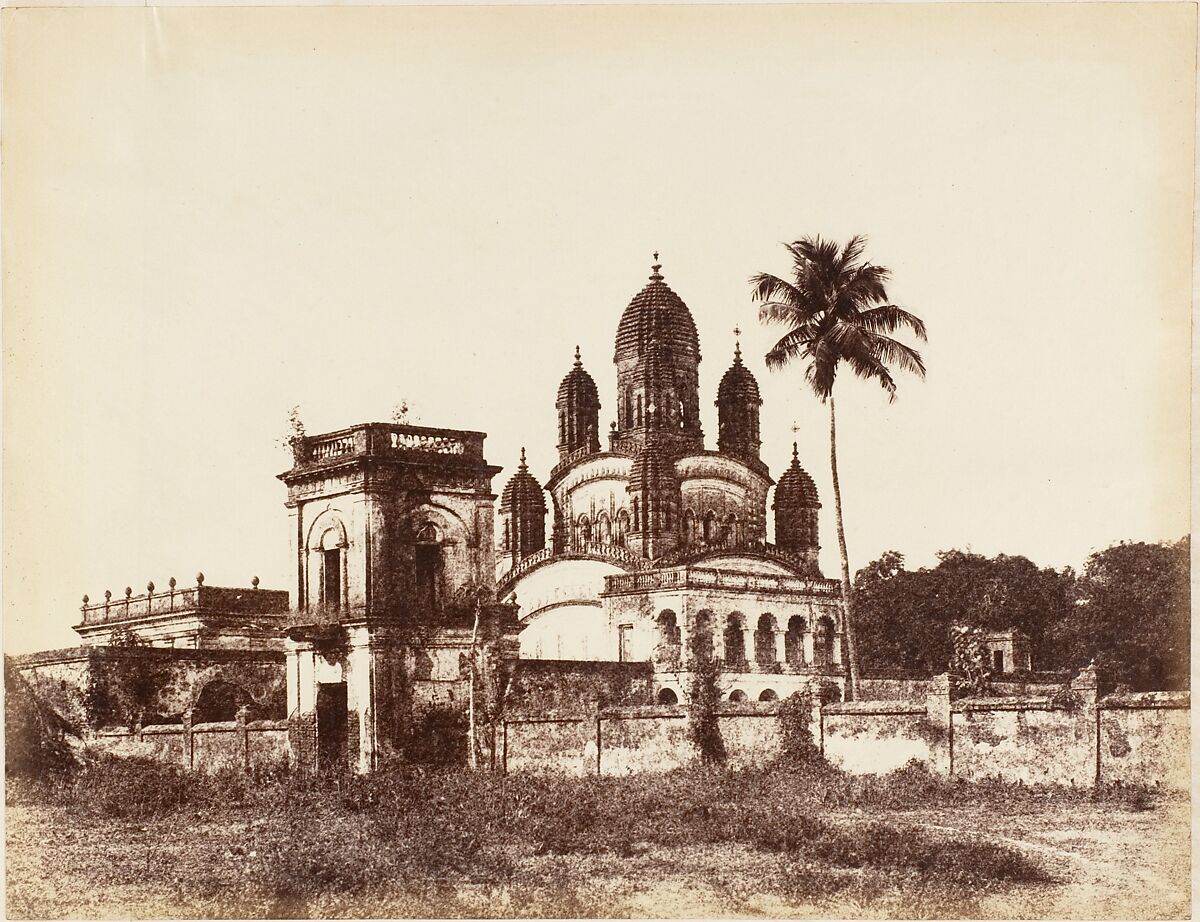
[(848, 622)]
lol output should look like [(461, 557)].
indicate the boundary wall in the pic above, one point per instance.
[(202, 747), (1072, 737)]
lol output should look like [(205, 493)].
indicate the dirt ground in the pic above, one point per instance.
[(1107, 862)]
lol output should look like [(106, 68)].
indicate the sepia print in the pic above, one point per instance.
[(582, 461)]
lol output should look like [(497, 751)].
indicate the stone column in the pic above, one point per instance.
[(781, 646), (837, 649), (360, 717), (749, 647), (940, 717), (718, 644), (808, 647), (302, 704)]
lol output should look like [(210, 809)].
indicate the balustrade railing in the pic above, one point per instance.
[(385, 439), (174, 599), (701, 578)]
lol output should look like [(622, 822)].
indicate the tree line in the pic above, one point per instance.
[(1129, 611)]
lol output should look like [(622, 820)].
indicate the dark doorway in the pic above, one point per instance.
[(331, 725), (997, 661)]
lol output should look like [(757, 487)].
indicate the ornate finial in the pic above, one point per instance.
[(107, 594), (150, 587), (85, 600), (522, 456), (613, 426), (656, 276), (171, 582), (199, 579), (795, 453), (737, 344), (578, 361), (128, 591), (254, 581)]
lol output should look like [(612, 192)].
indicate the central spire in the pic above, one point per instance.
[(655, 274)]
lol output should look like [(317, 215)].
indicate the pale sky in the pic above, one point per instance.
[(213, 215)]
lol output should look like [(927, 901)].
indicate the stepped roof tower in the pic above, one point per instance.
[(738, 403)]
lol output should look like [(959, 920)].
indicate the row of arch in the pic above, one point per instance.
[(765, 649), (668, 696)]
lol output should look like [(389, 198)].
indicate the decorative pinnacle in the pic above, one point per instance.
[(522, 456), (656, 276), (737, 344), (795, 450), (578, 361)]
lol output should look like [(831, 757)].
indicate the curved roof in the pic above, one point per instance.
[(738, 383), (523, 489), (578, 388), (657, 317), (795, 486)]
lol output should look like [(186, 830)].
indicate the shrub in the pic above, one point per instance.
[(797, 745)]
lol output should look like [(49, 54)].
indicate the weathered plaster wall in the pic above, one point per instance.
[(205, 747), (866, 737), (1024, 740), (1146, 736), (566, 746), (644, 740)]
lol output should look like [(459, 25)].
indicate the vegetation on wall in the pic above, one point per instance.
[(704, 693)]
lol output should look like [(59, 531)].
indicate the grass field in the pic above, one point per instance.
[(143, 840)]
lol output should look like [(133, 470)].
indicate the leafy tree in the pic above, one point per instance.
[(1132, 616), (837, 312), (906, 616)]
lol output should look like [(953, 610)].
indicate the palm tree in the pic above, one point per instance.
[(836, 310)]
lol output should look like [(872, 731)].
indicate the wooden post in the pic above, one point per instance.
[(243, 736), (188, 746)]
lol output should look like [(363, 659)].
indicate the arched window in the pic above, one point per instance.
[(823, 641), (768, 694), (622, 528), (689, 528), (764, 640), (737, 695), (562, 426), (585, 530), (794, 640), (332, 565), (727, 528), (604, 531), (427, 567), (667, 696), (710, 526), (639, 409), (666, 650), (735, 641)]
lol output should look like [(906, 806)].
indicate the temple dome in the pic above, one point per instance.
[(656, 317), (578, 388), (523, 490), (738, 384), (795, 487)]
